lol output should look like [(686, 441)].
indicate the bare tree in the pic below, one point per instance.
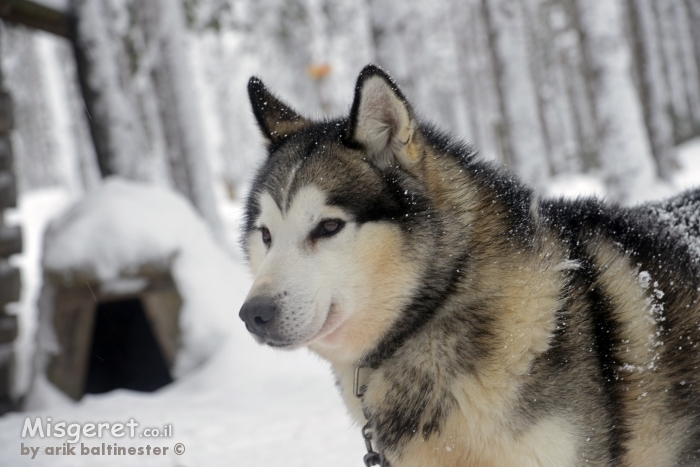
[(550, 37), (165, 40), (624, 150), (476, 76), (523, 143), (652, 85), (138, 91), (414, 45)]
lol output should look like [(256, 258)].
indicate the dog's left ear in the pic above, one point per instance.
[(276, 119), (381, 120)]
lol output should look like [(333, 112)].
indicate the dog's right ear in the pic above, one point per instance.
[(381, 120), (275, 118)]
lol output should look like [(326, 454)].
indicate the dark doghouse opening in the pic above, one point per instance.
[(125, 353)]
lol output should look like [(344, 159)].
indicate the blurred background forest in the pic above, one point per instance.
[(549, 87), (575, 96)]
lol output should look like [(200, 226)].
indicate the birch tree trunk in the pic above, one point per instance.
[(682, 95), (32, 139), (476, 76), (523, 142), (652, 86), (132, 62), (549, 31), (415, 46), (624, 150), (164, 34)]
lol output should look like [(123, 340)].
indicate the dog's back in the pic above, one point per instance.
[(637, 287)]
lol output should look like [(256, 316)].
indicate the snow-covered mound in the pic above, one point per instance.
[(122, 226)]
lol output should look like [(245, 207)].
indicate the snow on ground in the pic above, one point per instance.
[(248, 405)]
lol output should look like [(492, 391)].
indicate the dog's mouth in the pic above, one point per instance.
[(332, 322), (269, 340), (278, 344)]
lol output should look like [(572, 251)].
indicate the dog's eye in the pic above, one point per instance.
[(266, 236), (327, 228)]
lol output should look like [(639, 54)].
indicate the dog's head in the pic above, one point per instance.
[(328, 221)]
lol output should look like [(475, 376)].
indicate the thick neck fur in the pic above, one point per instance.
[(508, 313)]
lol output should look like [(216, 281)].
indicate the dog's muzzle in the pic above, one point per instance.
[(259, 315)]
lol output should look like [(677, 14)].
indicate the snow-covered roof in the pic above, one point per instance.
[(119, 229)]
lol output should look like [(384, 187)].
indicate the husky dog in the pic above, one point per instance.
[(488, 327)]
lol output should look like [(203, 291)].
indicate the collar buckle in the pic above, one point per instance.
[(358, 389)]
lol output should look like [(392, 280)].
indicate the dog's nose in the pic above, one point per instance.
[(257, 313)]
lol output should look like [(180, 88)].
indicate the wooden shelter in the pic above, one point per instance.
[(121, 333)]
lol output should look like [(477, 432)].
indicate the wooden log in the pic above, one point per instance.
[(6, 371), (10, 283), (35, 16), (8, 190), (5, 152), (10, 240), (8, 328), (6, 120), (73, 322)]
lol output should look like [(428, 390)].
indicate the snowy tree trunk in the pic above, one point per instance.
[(106, 70), (278, 43), (624, 151), (132, 64), (693, 8), (32, 141), (652, 86), (84, 151), (570, 55), (164, 34), (344, 31), (523, 137), (682, 79), (687, 57), (416, 48), (476, 76), (319, 67), (549, 32)]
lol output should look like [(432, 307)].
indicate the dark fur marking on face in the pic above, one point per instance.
[(284, 157), (397, 199)]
